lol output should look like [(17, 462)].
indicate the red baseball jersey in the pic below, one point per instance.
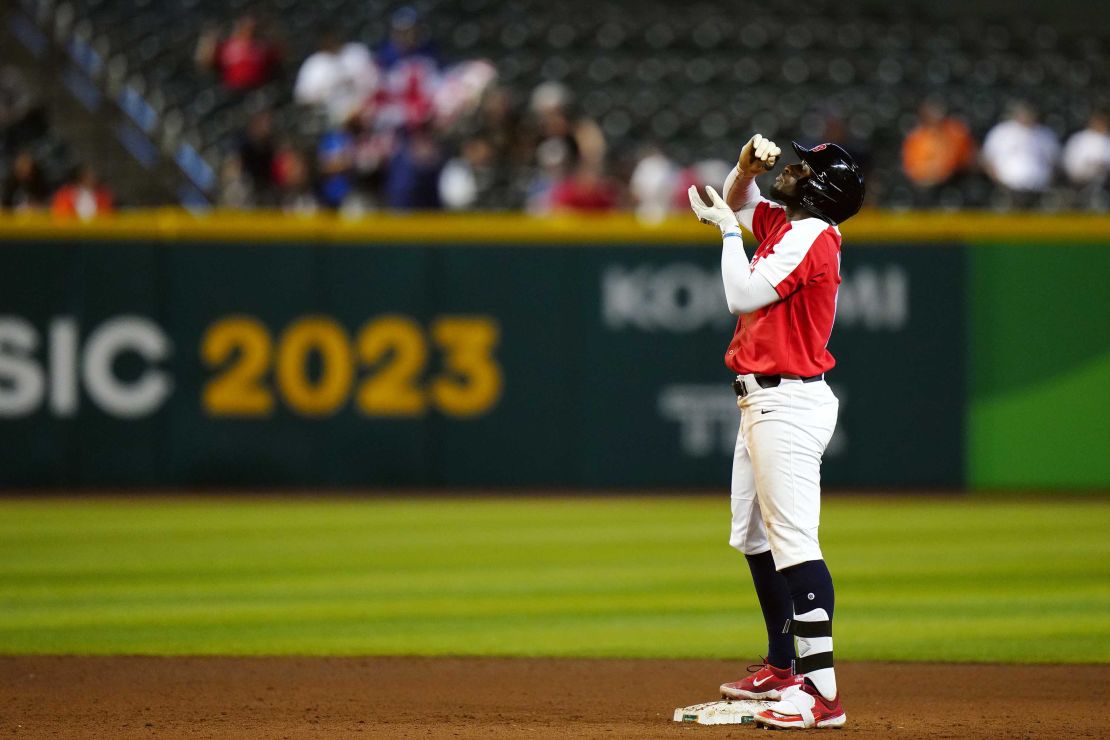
[(801, 259)]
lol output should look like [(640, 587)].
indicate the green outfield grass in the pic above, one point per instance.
[(917, 578)]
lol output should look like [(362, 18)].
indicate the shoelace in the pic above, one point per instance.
[(756, 668)]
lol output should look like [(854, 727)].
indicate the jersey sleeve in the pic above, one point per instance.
[(795, 260), (761, 217)]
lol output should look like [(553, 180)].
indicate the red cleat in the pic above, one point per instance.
[(767, 683), (801, 708)]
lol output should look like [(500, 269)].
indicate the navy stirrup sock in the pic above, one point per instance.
[(774, 600), (811, 587)]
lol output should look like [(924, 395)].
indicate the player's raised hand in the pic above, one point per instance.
[(758, 156), (716, 212)]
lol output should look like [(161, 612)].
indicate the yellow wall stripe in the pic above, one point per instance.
[(440, 228)]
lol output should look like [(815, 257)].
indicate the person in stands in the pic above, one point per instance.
[(246, 59), (84, 196)]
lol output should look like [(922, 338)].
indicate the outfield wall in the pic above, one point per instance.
[(506, 351)]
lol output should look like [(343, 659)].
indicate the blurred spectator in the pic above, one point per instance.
[(502, 157), (1021, 155), (22, 115), (562, 143), (84, 196), (553, 162), (1087, 157), (407, 41), (335, 162), (706, 172), (460, 92), (338, 78), (653, 184), (410, 65), (553, 120), (246, 59), (256, 151), (412, 181), (469, 180), (586, 189), (938, 148), (499, 123), (294, 181), (236, 188), (24, 188)]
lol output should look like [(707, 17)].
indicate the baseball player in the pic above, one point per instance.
[(785, 297)]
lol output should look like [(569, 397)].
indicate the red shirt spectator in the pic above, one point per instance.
[(244, 60), (585, 190)]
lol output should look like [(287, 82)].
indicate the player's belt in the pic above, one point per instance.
[(743, 387)]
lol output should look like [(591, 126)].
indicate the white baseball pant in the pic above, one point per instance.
[(776, 470)]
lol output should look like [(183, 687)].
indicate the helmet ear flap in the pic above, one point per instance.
[(815, 197), (832, 198)]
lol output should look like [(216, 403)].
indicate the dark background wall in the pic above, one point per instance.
[(151, 363)]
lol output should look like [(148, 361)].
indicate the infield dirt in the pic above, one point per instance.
[(209, 697)]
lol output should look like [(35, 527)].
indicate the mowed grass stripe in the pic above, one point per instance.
[(917, 578)]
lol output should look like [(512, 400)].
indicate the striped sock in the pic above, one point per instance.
[(811, 591)]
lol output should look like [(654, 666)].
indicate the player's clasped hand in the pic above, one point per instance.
[(718, 213), (758, 156)]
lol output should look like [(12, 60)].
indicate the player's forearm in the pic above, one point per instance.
[(739, 189), (745, 290)]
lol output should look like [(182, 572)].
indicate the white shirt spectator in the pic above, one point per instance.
[(652, 185), (1020, 156), (1087, 156), (340, 82), (458, 187), (460, 90)]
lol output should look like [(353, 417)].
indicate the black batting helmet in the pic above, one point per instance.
[(835, 189)]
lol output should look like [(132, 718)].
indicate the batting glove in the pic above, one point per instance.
[(718, 213), (758, 156)]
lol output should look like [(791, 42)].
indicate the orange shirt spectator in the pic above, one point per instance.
[(938, 148), (83, 197)]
